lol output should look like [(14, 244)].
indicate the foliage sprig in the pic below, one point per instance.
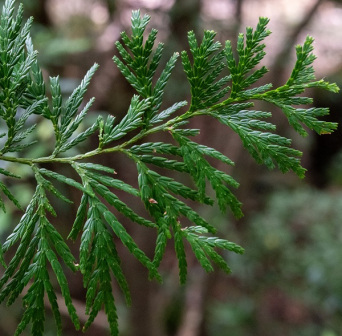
[(220, 88)]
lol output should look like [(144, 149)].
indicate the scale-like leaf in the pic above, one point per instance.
[(61, 278), (166, 113), (66, 180), (96, 166), (180, 253), (131, 121), (203, 248), (155, 147), (163, 235), (140, 66), (75, 100), (114, 183), (112, 199), (80, 218), (206, 89), (10, 196), (265, 147), (250, 53), (201, 170), (127, 240)]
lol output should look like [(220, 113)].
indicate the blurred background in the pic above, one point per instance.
[(289, 282)]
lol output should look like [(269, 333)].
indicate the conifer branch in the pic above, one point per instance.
[(223, 86)]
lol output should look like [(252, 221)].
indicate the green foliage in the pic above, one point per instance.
[(204, 71), (293, 246), (250, 53), (42, 252)]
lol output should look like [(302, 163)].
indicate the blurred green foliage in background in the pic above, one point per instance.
[(289, 278)]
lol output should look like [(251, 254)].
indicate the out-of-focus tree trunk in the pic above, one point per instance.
[(184, 16), (193, 319), (281, 61), (40, 13), (111, 7)]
